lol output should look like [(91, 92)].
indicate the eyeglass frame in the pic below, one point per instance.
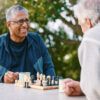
[(21, 21)]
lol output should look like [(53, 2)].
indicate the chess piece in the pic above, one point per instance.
[(38, 76), (53, 80), (61, 85), (57, 80), (48, 80), (38, 81), (41, 78), (44, 81), (44, 77), (32, 78), (24, 79), (27, 85)]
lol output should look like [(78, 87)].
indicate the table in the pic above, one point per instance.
[(11, 92)]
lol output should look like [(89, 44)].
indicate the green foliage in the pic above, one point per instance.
[(63, 50)]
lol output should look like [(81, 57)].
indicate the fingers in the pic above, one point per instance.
[(10, 77), (7, 79), (72, 84), (71, 87), (66, 81), (16, 75), (69, 91)]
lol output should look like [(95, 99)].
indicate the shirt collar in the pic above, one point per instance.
[(6, 42)]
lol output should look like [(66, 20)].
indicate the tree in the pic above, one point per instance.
[(55, 21)]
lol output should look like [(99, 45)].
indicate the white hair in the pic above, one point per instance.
[(13, 10), (87, 9)]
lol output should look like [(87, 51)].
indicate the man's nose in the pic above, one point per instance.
[(25, 24)]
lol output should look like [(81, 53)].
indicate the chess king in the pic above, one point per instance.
[(20, 50)]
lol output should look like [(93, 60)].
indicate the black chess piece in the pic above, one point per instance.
[(48, 80), (53, 80), (27, 85), (57, 79), (41, 83), (32, 78)]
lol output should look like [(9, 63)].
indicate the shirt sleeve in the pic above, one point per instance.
[(48, 66), (3, 70), (89, 58)]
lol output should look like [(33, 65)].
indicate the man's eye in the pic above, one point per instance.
[(21, 21), (26, 20)]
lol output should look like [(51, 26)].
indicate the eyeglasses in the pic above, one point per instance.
[(21, 21)]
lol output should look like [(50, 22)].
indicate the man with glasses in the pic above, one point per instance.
[(20, 50)]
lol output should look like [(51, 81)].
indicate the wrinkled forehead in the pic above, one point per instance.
[(20, 15)]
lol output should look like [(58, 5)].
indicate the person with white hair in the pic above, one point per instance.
[(88, 14), (21, 50)]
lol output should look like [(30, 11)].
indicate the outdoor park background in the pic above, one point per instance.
[(55, 22)]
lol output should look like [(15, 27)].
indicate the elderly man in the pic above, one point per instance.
[(88, 14), (20, 50)]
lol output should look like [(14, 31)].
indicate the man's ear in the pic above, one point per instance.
[(89, 23)]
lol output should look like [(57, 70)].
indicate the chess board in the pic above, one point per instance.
[(41, 82), (43, 87)]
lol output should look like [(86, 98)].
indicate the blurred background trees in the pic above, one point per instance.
[(55, 21)]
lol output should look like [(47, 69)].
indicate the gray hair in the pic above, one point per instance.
[(88, 9), (13, 10)]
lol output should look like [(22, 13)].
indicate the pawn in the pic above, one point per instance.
[(41, 78), (44, 81), (32, 78), (48, 80), (44, 77)]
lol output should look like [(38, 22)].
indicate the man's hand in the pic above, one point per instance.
[(10, 77), (72, 88)]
